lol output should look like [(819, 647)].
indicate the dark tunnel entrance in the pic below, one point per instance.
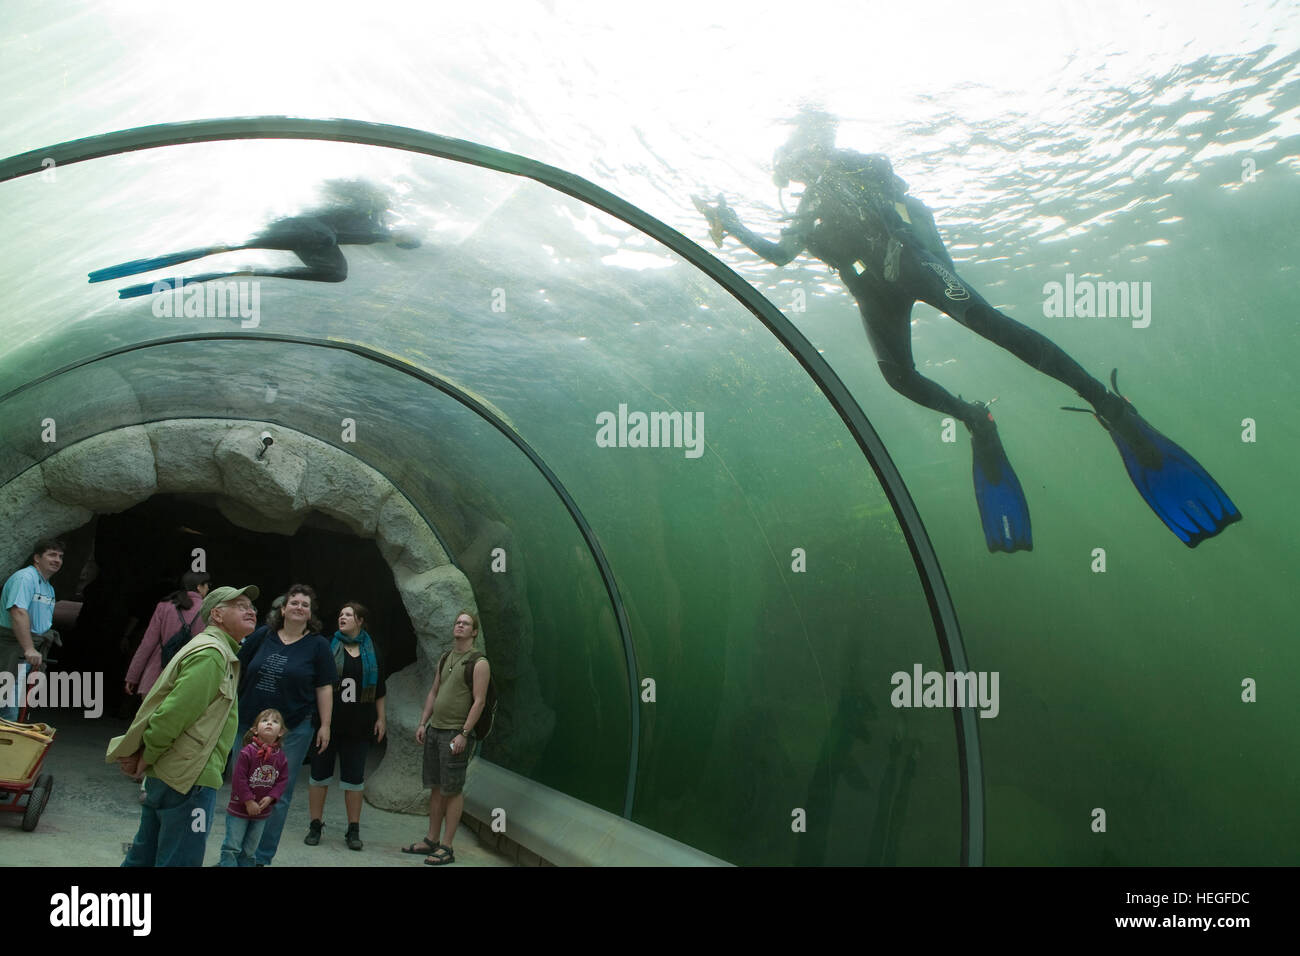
[(120, 566)]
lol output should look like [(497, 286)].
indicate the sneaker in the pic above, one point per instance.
[(353, 836), (313, 833)]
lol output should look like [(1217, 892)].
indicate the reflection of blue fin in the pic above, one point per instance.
[(167, 285), (1003, 509), (131, 292), (136, 266), (1173, 483)]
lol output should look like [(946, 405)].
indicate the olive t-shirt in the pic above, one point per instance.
[(454, 700)]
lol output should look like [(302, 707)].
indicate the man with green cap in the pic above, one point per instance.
[(183, 732)]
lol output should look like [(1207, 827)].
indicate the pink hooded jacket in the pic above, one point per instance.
[(146, 665)]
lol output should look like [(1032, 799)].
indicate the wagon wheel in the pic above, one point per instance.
[(36, 802)]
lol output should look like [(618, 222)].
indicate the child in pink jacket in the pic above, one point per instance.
[(261, 774)]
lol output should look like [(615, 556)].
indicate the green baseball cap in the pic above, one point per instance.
[(222, 595)]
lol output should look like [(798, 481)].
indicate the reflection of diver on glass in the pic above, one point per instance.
[(894, 798), (856, 216), (845, 774), (355, 213)]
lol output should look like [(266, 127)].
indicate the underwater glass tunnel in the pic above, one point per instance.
[(663, 470)]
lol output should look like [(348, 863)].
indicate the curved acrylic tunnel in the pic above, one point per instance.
[(717, 584)]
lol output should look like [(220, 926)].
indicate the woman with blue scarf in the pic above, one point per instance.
[(358, 715)]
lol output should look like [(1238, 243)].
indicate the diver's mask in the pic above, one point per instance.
[(784, 162), (796, 161)]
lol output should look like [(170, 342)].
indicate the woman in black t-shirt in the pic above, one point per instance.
[(289, 669), (358, 716)]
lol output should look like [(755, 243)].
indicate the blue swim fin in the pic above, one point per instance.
[(1003, 509), (147, 288), (1172, 482), (168, 285), (136, 266)]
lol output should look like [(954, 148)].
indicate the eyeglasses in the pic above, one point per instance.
[(241, 606)]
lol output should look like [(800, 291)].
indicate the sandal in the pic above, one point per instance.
[(425, 847), (441, 856)]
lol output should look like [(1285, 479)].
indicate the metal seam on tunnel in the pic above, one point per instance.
[(943, 614)]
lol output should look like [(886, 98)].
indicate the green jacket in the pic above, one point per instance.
[(188, 720)]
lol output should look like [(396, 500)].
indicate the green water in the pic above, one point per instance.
[(1123, 690)]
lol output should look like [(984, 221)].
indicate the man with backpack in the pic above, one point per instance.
[(175, 621), (448, 724)]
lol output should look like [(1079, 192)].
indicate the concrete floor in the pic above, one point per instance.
[(93, 810)]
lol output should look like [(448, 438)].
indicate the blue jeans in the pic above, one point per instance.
[(173, 826), (242, 837), (295, 745)]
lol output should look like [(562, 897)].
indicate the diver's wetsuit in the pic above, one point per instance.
[(857, 218), (315, 239)]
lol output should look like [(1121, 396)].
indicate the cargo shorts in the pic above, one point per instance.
[(442, 768)]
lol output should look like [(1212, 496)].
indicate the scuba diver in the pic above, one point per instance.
[(355, 213), (855, 215)]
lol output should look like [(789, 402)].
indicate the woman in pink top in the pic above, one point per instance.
[(177, 607)]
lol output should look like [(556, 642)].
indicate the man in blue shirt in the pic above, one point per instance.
[(27, 612)]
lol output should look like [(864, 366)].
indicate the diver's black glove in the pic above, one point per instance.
[(720, 217), (727, 217)]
